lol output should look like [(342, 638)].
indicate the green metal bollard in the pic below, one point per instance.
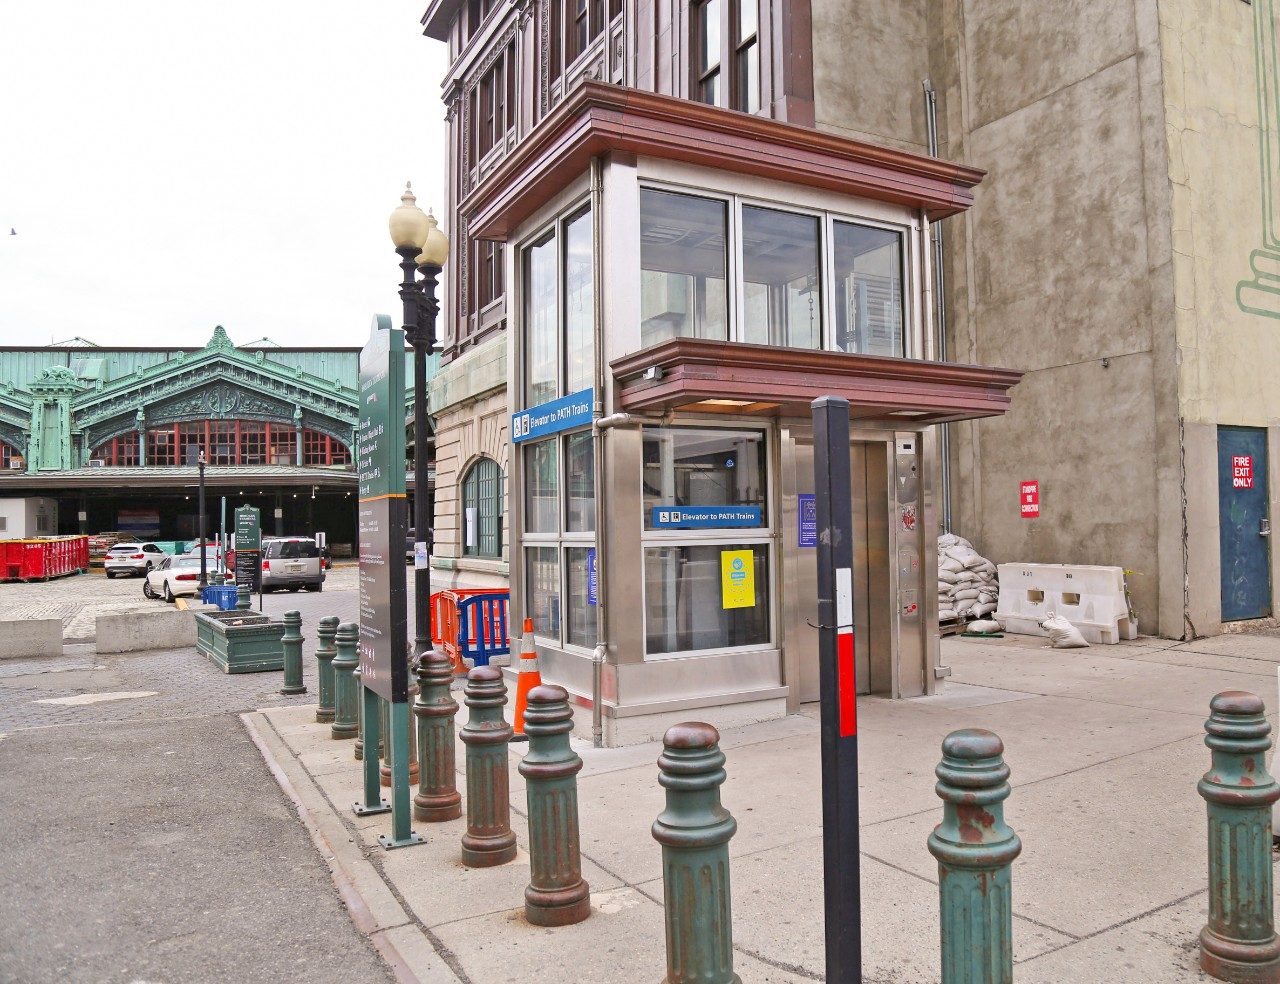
[(437, 798), (242, 598), (292, 642), (384, 769), (1239, 942), (694, 831), (974, 848), (326, 629), (346, 692), (489, 839), (556, 894)]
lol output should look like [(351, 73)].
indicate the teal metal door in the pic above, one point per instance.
[(1244, 523)]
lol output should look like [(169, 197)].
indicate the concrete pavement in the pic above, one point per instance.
[(1105, 744)]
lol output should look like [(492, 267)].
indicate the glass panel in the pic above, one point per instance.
[(222, 436), (189, 434), (540, 350), (684, 604), (708, 35), (690, 467), (709, 89), (868, 285), (580, 489), (780, 274), (542, 589), (540, 488), (282, 444), (482, 496), (683, 262), (579, 309), (748, 97), (748, 17), (253, 443), (580, 627)]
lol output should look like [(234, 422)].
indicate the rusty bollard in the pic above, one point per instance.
[(489, 839), (384, 768), (556, 894), (437, 798), (346, 691), (291, 642), (1239, 942), (694, 832), (974, 848), (326, 629)]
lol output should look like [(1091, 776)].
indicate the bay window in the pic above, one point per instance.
[(725, 268)]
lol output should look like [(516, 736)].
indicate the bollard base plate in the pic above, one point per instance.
[(433, 810), (518, 738), (324, 717), (291, 691), (567, 914), (362, 810), (343, 733), (391, 843), (491, 858), (1239, 963)]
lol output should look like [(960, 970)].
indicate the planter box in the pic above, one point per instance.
[(240, 642)]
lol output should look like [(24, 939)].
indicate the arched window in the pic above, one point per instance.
[(482, 503)]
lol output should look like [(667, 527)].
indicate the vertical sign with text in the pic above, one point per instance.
[(249, 547), (383, 514), (1242, 471), (1029, 499)]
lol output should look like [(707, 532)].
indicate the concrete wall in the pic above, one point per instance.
[(132, 632), (469, 403), (21, 637)]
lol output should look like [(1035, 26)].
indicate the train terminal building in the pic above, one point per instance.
[(99, 434)]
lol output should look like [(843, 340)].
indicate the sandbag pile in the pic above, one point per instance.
[(967, 582)]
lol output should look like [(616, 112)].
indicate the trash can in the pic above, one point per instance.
[(222, 595)]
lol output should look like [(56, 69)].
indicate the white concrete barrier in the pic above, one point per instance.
[(131, 632), (21, 637), (1089, 597)]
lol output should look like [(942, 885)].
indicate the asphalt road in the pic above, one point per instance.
[(144, 839)]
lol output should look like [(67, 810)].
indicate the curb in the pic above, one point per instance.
[(401, 945)]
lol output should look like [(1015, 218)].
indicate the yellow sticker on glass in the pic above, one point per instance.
[(738, 578)]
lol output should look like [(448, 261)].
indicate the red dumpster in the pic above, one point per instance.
[(41, 559)]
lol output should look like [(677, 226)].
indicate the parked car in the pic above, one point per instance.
[(174, 576), (291, 562), (133, 559), (212, 555)]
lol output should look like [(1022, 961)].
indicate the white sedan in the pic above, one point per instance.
[(175, 576), (133, 558)]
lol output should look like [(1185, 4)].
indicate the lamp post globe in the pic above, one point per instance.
[(435, 246), (408, 224)]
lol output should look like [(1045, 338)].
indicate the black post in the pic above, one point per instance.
[(838, 685), (420, 310)]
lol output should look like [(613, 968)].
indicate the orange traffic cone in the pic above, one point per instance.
[(528, 679)]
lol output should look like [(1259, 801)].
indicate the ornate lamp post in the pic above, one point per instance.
[(420, 243)]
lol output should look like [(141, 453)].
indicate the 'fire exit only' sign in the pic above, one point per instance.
[(1242, 471), (1029, 498)]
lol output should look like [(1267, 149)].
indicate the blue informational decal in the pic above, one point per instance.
[(808, 519), (593, 579), (704, 517), (552, 417)]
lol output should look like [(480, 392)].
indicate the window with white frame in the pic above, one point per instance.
[(558, 477), (706, 540), (727, 268)]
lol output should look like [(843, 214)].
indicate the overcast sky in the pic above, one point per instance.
[(172, 166)]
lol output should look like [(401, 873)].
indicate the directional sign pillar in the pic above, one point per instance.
[(838, 688), (383, 521), (249, 548)]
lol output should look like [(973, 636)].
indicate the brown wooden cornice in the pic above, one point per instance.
[(775, 381), (598, 118)]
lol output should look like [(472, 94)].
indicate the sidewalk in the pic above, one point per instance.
[(1105, 744)]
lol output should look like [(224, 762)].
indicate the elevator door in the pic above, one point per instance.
[(873, 607)]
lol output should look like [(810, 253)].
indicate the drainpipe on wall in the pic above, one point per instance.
[(597, 448), (940, 305)]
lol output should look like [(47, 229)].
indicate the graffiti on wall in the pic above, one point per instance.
[(1260, 294)]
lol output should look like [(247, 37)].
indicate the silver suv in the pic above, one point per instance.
[(291, 562)]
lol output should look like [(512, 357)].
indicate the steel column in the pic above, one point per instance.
[(489, 839), (370, 732), (556, 894), (694, 832), (1239, 942), (975, 849)]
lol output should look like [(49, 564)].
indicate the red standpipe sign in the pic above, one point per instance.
[(1029, 499), (1242, 471)]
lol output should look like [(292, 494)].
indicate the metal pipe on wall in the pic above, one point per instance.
[(597, 447), (940, 308)]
